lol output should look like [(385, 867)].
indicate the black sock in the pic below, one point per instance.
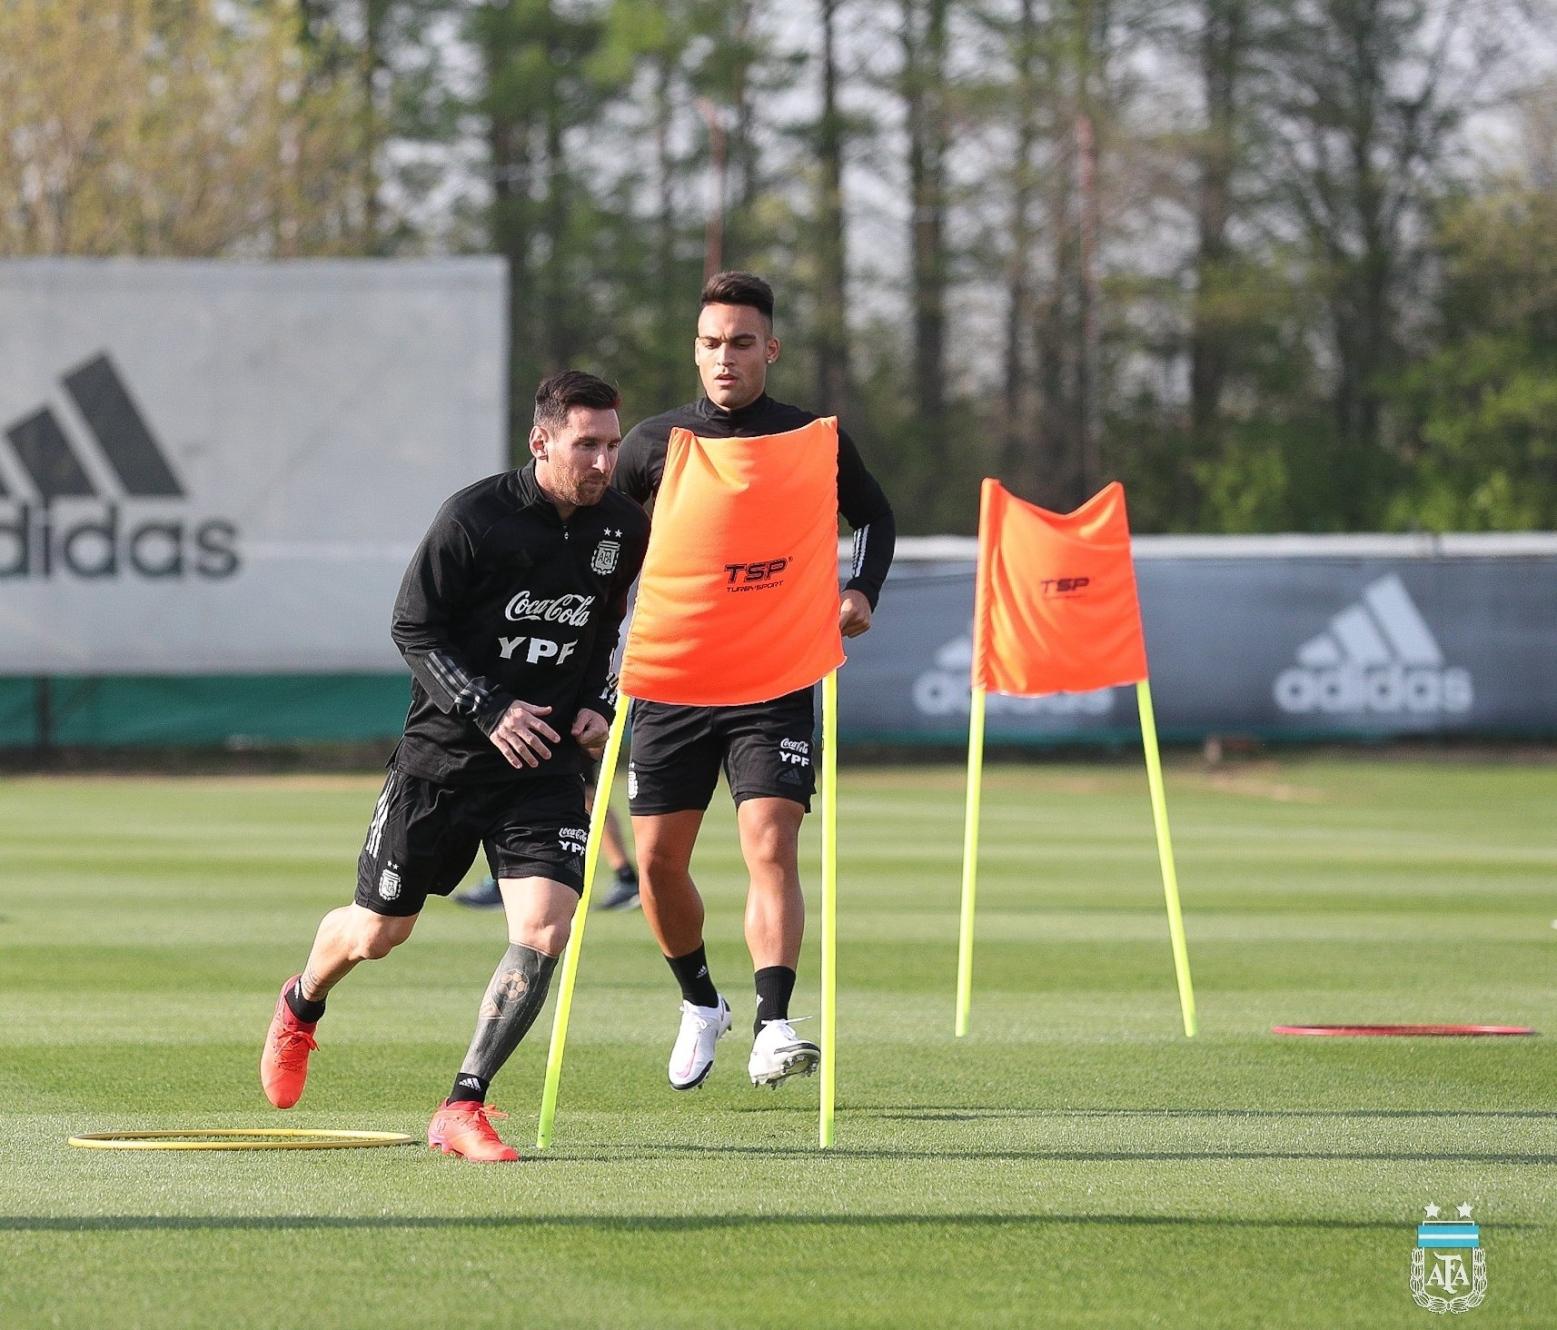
[(691, 973), (305, 1011), (774, 985), (627, 875), (468, 1086)]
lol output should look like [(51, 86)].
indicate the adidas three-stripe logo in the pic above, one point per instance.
[(138, 462), (1379, 656), (35, 543)]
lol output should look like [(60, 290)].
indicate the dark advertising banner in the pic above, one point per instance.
[(1295, 646)]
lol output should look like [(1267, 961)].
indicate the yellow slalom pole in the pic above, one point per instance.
[(570, 960), (970, 858), (829, 904), (1170, 879)]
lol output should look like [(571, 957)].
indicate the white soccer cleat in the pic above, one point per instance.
[(692, 1057), (779, 1053)]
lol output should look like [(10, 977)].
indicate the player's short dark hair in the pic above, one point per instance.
[(738, 288), (568, 389)]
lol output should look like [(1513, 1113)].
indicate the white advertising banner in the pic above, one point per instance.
[(225, 467)]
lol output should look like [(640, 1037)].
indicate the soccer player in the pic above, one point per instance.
[(677, 751), (507, 616)]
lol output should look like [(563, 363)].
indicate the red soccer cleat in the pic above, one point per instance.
[(462, 1127), (284, 1061)]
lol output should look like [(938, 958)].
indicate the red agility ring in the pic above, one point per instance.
[(1439, 1031)]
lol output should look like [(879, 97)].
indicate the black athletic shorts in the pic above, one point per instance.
[(764, 747), (424, 837)]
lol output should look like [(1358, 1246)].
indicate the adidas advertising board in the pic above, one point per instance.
[(1377, 655), (221, 467), (1298, 639)]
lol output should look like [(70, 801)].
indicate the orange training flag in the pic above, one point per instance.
[(738, 599), (1055, 608)]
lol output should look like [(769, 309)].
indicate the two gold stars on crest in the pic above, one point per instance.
[(1464, 1211)]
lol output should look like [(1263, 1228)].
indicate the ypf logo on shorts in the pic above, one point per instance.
[(795, 752), (573, 840), (1378, 656)]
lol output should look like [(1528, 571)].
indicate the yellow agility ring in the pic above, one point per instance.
[(239, 1138)]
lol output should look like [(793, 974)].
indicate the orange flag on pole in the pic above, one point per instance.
[(738, 598), (1055, 610), (1055, 607)]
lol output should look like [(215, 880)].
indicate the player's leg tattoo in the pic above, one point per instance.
[(513, 1000)]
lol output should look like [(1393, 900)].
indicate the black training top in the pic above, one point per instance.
[(641, 465), (505, 600)]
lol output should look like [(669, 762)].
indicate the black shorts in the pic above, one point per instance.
[(424, 837), (766, 749)]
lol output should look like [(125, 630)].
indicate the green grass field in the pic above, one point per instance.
[(1074, 1162)]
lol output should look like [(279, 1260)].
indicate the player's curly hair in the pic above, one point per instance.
[(572, 387)]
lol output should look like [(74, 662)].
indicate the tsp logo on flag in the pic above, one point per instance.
[(1448, 1265)]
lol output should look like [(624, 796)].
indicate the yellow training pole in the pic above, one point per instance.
[(1170, 879), (970, 858), (829, 904), (570, 960)]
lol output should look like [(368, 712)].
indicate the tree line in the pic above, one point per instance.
[(1276, 264)]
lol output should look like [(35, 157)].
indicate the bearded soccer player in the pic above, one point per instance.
[(677, 751), (508, 617)]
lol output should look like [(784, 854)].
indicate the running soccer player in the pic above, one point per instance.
[(508, 617), (677, 751)]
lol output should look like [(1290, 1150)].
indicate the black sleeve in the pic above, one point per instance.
[(865, 508), (430, 595), (640, 464), (599, 687)]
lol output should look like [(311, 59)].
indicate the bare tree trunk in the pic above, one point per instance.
[(508, 149), (713, 236), (1088, 369), (558, 337), (924, 75), (1054, 336), (832, 330), (373, 63), (741, 148), (1018, 447), (1222, 39), (665, 218)]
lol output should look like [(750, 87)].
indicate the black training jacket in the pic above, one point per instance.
[(505, 600), (641, 465)]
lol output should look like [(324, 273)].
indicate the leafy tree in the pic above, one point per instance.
[(1483, 405)]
